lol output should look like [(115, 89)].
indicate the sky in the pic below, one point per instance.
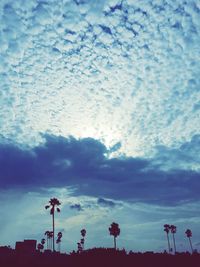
[(100, 107)]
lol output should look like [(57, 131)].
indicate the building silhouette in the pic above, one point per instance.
[(26, 246)]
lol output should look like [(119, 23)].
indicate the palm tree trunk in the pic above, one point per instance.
[(53, 232), (114, 242), (168, 242), (191, 244), (174, 244)]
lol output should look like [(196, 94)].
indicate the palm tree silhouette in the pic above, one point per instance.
[(47, 233), (79, 247), (40, 247), (43, 242), (167, 229), (53, 203), (58, 241), (50, 239), (188, 233), (173, 229), (115, 231), (83, 233)]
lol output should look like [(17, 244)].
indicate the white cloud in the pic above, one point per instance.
[(128, 74)]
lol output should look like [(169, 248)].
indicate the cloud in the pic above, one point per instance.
[(117, 71), (76, 207), (83, 166), (105, 202), (184, 158)]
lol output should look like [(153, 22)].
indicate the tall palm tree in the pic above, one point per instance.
[(115, 231), (173, 229), (167, 229), (188, 233), (53, 203), (83, 233)]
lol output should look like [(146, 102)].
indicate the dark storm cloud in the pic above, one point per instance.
[(83, 165)]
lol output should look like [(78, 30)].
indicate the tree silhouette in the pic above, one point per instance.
[(51, 239), (173, 231), (40, 247), (54, 202), (43, 242), (58, 241), (188, 233), (167, 229), (80, 249), (115, 231), (48, 234), (83, 233)]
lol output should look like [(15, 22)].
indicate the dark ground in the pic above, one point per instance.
[(97, 257)]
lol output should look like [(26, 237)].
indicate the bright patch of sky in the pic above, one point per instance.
[(119, 71)]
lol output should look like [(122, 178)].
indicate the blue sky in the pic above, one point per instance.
[(100, 107)]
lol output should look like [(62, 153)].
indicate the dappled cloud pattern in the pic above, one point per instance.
[(120, 71)]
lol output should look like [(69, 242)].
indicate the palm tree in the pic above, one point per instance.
[(83, 233), (43, 242), (53, 203), (167, 229), (115, 231), (188, 233), (47, 233), (58, 241), (50, 239), (40, 247), (79, 247), (173, 231)]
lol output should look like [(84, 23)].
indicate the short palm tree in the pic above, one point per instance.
[(40, 247), (188, 233), (83, 233), (167, 229), (79, 247), (58, 241), (53, 203), (115, 231), (43, 241), (47, 233), (51, 239), (173, 229)]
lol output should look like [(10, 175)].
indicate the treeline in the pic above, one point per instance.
[(104, 257)]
